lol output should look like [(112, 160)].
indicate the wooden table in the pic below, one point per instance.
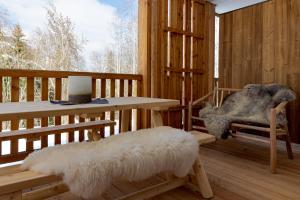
[(28, 110)]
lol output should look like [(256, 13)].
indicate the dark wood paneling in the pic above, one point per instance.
[(260, 44)]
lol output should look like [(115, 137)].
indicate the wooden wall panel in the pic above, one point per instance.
[(260, 44)]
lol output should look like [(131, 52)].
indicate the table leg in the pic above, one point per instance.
[(93, 135), (157, 118), (158, 121), (125, 120)]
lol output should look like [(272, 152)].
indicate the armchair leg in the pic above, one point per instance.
[(288, 145), (273, 153), (273, 142)]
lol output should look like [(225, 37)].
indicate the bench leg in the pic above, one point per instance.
[(202, 179)]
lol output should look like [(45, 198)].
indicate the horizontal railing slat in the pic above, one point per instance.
[(65, 74)]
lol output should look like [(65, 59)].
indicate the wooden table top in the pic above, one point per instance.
[(26, 110)]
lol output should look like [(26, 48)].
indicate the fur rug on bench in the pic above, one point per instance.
[(89, 168), (251, 105)]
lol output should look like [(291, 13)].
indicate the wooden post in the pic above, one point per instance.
[(144, 52), (130, 112), (125, 120), (112, 113), (30, 122), (121, 94), (210, 40), (58, 88), (45, 85), (103, 95), (14, 123)]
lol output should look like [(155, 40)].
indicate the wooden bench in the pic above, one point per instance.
[(17, 184)]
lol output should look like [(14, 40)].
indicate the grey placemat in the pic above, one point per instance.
[(94, 101)]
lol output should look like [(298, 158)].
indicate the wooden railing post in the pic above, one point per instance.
[(121, 94), (30, 122), (139, 118), (130, 112), (112, 94), (14, 123), (45, 86), (58, 89), (103, 95)]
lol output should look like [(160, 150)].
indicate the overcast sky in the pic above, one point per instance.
[(92, 18)]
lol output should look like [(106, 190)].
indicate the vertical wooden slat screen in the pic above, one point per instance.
[(58, 90), (198, 82), (181, 52), (112, 113), (14, 123), (45, 86), (176, 59), (187, 60), (30, 122), (108, 82)]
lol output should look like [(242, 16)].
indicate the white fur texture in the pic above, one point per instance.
[(89, 168)]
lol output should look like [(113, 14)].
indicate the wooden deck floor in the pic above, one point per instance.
[(238, 170)]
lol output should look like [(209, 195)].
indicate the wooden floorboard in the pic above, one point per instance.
[(237, 169)]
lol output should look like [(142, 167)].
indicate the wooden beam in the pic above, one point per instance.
[(144, 58)]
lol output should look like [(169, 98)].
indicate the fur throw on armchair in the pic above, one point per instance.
[(251, 105)]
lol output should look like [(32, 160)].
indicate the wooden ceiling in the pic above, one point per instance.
[(224, 6)]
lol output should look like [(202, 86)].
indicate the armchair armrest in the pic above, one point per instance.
[(193, 103), (281, 107), (201, 99)]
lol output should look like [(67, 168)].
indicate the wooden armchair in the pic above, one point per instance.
[(238, 129)]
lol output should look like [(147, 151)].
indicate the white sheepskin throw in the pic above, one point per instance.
[(89, 168)]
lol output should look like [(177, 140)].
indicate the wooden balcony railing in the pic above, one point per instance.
[(37, 85)]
